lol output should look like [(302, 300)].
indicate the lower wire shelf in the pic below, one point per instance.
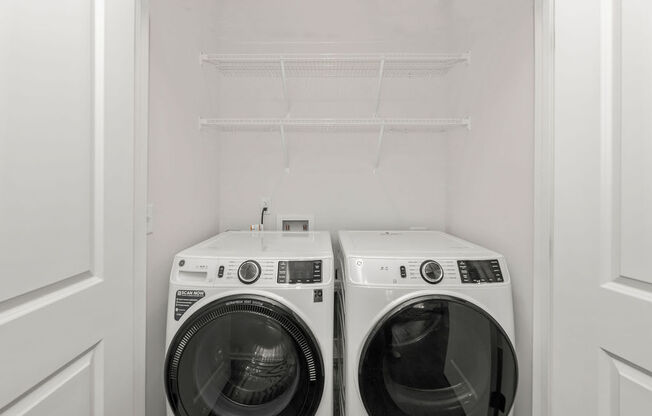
[(380, 125)]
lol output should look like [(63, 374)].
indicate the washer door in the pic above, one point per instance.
[(241, 356), (438, 355)]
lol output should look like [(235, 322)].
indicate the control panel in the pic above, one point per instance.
[(429, 271), (480, 271), (260, 271)]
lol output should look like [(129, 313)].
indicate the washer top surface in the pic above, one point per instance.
[(264, 244), (393, 244)]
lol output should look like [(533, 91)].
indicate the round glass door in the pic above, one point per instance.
[(244, 356), (438, 355)]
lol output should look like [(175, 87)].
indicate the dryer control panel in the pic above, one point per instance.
[(428, 272)]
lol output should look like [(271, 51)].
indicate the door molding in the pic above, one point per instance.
[(543, 205), (141, 133)]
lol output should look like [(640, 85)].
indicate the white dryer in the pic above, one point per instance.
[(250, 326), (428, 326)]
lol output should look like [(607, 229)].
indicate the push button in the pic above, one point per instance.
[(403, 272), (282, 272), (220, 272)]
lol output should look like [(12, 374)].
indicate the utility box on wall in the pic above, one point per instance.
[(295, 222)]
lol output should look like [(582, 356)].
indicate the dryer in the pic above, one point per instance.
[(428, 326), (250, 326)]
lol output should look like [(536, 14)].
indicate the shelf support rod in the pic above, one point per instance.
[(380, 146), (286, 96), (379, 87), (286, 160)]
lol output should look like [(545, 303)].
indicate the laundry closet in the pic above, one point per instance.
[(370, 114)]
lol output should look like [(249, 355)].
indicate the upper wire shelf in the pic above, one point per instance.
[(335, 65), (388, 124)]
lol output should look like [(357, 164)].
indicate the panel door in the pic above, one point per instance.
[(66, 207), (602, 280)]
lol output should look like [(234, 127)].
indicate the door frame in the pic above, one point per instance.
[(544, 44), (141, 133)]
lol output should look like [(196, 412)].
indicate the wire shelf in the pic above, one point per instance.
[(335, 65), (388, 124)]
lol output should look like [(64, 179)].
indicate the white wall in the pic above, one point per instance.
[(183, 168), (476, 184)]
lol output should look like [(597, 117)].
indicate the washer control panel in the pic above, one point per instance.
[(300, 271), (259, 272)]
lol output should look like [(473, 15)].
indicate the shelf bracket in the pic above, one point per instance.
[(379, 87), (286, 160), (286, 96), (379, 148)]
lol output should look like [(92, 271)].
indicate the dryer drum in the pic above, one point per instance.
[(241, 356), (438, 355)]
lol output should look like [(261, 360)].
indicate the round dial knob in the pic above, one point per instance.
[(431, 271), (249, 272)]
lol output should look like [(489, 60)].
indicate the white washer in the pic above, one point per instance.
[(428, 326), (250, 326)]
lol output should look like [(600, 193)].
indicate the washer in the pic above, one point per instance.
[(250, 326), (428, 326)]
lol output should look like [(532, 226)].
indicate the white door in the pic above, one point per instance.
[(602, 251), (66, 207)]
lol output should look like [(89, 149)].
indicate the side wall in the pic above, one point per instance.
[(183, 169), (490, 171)]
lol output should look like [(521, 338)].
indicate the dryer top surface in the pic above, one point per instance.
[(392, 244)]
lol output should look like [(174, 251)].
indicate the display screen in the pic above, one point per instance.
[(304, 271), (301, 270), (480, 271)]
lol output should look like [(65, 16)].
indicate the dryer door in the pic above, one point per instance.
[(438, 355), (241, 356)]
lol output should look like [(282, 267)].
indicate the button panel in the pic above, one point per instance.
[(316, 272), (480, 271), (282, 272)]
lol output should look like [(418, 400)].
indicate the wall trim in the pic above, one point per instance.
[(543, 206), (141, 132)]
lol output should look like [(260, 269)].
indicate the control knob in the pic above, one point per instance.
[(249, 272), (432, 272)]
